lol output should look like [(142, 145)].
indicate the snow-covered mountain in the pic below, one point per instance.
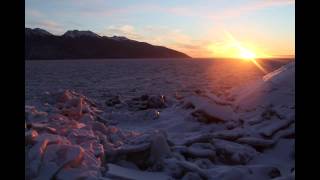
[(37, 31), (119, 38), (77, 33), (75, 44)]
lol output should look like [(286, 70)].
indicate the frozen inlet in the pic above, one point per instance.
[(72, 139)]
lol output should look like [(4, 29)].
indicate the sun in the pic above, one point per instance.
[(246, 54), (232, 48)]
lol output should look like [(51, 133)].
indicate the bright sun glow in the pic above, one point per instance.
[(241, 51), (235, 49), (246, 54), (229, 47)]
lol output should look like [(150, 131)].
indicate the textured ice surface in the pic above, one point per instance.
[(126, 77), (78, 134)]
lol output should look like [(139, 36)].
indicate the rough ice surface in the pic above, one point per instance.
[(200, 132)]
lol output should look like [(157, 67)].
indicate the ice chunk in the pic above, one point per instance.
[(117, 172), (59, 156), (159, 147), (196, 151), (233, 153), (210, 111), (256, 142), (275, 126)]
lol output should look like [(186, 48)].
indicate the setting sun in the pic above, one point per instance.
[(233, 48), (246, 54), (230, 47)]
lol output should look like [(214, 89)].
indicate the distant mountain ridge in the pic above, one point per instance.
[(77, 33), (75, 44)]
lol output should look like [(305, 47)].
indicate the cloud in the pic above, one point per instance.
[(248, 8), (138, 8), (161, 35), (127, 29), (125, 10), (122, 30), (195, 12), (32, 13), (176, 39), (48, 25), (103, 9)]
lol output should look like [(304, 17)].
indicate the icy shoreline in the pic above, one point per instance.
[(249, 135)]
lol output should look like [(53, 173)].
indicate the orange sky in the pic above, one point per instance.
[(197, 28)]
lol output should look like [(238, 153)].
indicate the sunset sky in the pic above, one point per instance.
[(199, 28)]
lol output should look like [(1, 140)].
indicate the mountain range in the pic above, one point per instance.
[(75, 44)]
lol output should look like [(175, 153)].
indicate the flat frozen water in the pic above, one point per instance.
[(134, 77)]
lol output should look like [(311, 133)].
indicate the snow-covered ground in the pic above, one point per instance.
[(166, 120)]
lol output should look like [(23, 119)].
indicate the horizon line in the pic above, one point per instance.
[(220, 57)]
